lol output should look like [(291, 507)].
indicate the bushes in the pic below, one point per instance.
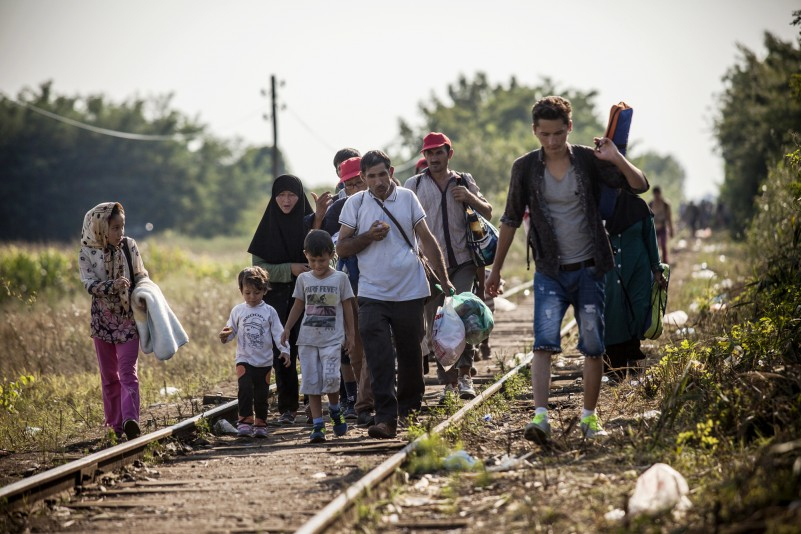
[(25, 273)]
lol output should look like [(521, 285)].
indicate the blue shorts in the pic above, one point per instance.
[(584, 289)]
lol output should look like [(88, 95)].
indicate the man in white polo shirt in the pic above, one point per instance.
[(392, 287)]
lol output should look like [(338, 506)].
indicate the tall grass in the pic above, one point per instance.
[(731, 401), (45, 335)]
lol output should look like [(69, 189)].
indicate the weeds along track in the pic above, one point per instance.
[(196, 480)]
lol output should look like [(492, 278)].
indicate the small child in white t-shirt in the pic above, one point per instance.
[(322, 296), (256, 326)]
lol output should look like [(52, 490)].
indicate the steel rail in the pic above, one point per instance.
[(321, 521), (77, 472)]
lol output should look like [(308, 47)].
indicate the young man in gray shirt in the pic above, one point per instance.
[(558, 184)]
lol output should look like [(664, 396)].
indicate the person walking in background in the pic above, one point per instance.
[(570, 245), (325, 295), (257, 330), (277, 247), (444, 193), (110, 266), (383, 227), (663, 221)]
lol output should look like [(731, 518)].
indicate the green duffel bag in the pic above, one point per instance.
[(656, 311)]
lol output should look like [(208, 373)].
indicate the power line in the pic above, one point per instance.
[(98, 130)]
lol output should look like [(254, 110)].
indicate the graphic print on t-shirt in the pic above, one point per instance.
[(253, 326), (321, 309)]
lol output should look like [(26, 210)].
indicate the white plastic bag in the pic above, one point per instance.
[(448, 334), (659, 489)]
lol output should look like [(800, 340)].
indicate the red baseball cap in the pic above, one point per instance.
[(350, 168), (435, 140), (420, 165)]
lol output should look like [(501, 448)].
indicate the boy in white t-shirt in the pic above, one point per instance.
[(256, 326), (327, 325)]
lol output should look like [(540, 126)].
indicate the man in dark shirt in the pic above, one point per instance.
[(558, 184)]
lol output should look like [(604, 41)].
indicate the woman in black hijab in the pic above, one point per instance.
[(277, 246)]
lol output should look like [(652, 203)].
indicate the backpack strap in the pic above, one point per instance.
[(127, 251)]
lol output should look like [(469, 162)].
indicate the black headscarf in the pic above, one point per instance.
[(629, 209), (279, 236)]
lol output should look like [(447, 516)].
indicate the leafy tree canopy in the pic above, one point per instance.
[(490, 126), (758, 111), (52, 172)]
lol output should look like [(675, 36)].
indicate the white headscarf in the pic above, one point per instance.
[(94, 234)]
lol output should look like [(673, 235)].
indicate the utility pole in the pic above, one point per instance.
[(275, 126)]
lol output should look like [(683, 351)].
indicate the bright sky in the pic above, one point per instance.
[(352, 69)]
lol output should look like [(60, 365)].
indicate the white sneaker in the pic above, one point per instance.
[(466, 390)]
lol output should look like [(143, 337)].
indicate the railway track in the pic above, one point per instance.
[(222, 483)]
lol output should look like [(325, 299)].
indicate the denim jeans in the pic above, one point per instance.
[(584, 290)]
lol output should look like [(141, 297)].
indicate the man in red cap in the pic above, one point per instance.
[(443, 193)]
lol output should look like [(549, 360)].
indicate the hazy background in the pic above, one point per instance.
[(352, 69)]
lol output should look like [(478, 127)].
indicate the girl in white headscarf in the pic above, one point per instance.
[(110, 266)]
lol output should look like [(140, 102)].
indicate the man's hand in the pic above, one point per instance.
[(322, 203), (284, 357), (494, 286), (378, 230), (461, 194), (605, 149)]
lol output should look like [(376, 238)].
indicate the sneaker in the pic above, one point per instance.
[(383, 430), (260, 432), (448, 394), (287, 418), (350, 412), (538, 430), (338, 419), (131, 429), (365, 419), (591, 427), (466, 390), (317, 434), (244, 430)]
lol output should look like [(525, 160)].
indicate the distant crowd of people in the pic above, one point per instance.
[(338, 284)]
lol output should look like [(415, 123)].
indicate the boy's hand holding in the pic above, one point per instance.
[(286, 359), (225, 333), (349, 344)]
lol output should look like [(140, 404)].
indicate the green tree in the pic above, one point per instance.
[(665, 172), (52, 172), (759, 108), (490, 127)]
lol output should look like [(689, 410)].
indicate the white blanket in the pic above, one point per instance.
[(159, 329)]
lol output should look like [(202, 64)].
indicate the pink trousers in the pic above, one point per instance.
[(120, 381)]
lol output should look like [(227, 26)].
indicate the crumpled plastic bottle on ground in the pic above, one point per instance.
[(459, 461), (659, 489), (222, 426)]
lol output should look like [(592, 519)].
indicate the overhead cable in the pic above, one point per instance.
[(98, 130)]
